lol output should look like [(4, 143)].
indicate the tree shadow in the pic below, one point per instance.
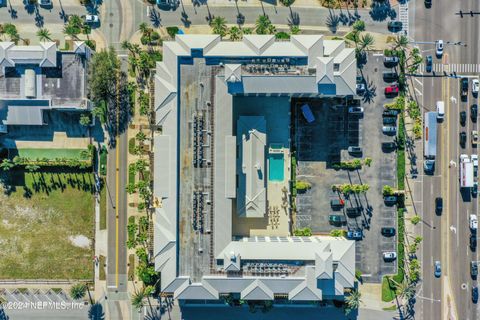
[(39, 20), (332, 21), (96, 312), (294, 19), (13, 12), (370, 91), (361, 59), (379, 11), (62, 14), (30, 7), (118, 110), (155, 18)]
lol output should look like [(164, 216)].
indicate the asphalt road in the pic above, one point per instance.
[(445, 238), (117, 215), (120, 19)]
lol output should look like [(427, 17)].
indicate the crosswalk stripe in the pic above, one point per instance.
[(454, 67)]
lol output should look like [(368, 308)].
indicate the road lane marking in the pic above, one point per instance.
[(418, 81), (418, 92)]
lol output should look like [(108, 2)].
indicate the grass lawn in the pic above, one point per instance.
[(102, 262), (131, 146), (40, 212), (131, 266), (131, 173), (48, 153), (103, 206), (388, 293)]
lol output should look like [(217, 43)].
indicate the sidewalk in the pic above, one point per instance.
[(372, 297)]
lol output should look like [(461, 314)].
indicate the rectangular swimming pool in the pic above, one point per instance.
[(276, 167)]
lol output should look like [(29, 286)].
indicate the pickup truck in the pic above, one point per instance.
[(474, 159), (336, 219)]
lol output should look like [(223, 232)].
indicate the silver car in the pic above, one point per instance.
[(389, 129)]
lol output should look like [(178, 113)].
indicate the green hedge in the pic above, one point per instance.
[(103, 161), (131, 146), (401, 155)]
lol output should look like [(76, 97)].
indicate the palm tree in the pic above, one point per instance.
[(358, 26), (71, 31), (31, 167), (125, 45), (262, 24), (401, 42), (366, 41), (131, 188), (11, 30), (271, 29), (247, 31), (2, 30), (43, 34), (141, 136), (352, 301), (329, 3), (137, 298), (78, 291), (145, 29), (6, 164), (294, 30), (235, 33), (219, 26)]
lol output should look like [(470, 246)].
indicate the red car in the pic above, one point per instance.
[(391, 90)]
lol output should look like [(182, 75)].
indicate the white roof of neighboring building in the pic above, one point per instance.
[(44, 54)]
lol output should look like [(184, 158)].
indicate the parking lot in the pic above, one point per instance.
[(325, 142)]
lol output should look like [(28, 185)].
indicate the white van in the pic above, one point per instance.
[(440, 110)]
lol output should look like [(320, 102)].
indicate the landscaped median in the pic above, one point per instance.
[(389, 286)]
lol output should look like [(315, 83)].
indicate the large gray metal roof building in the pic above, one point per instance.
[(210, 164)]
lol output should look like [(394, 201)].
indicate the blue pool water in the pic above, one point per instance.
[(275, 167)]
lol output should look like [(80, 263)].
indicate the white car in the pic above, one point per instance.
[(473, 222), (475, 86), (91, 18), (389, 256), (474, 159), (439, 48)]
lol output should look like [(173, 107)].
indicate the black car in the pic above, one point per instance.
[(428, 63), (475, 294), (390, 62), (428, 3), (473, 242), (354, 212), (389, 120), (388, 232), (463, 139), (390, 76), (389, 145), (395, 26), (463, 89), (438, 205), (474, 112), (463, 118), (473, 269), (390, 112)]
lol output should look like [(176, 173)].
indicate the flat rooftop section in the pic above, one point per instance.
[(64, 84)]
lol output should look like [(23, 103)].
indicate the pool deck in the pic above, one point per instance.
[(277, 220)]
